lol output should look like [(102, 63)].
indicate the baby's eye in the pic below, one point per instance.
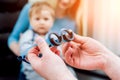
[(37, 18), (45, 19)]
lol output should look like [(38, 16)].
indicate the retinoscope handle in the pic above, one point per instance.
[(67, 35), (53, 39)]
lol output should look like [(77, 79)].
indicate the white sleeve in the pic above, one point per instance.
[(26, 41)]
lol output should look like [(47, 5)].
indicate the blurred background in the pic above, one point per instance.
[(102, 22), (99, 19), (9, 12)]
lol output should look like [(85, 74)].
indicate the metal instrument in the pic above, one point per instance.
[(53, 39)]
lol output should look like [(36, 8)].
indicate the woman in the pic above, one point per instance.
[(65, 14)]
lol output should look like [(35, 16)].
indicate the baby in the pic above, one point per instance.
[(42, 17)]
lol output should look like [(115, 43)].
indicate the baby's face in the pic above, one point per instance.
[(42, 21)]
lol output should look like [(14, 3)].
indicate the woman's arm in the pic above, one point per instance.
[(89, 54), (21, 25), (112, 66)]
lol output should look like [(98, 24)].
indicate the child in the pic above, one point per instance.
[(41, 17)]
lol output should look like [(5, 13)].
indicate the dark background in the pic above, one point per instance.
[(9, 12)]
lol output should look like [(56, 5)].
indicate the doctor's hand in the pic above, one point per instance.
[(48, 64), (85, 53)]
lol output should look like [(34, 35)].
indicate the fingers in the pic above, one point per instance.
[(34, 50), (55, 50), (42, 45), (68, 56), (32, 56), (65, 47), (79, 39)]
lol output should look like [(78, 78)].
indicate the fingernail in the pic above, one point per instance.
[(50, 45), (40, 55)]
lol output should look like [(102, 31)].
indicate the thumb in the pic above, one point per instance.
[(32, 56), (42, 45), (34, 59), (79, 39)]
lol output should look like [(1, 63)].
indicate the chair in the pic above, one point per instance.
[(9, 12)]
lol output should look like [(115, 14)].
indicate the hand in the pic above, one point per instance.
[(55, 50), (84, 53), (50, 66)]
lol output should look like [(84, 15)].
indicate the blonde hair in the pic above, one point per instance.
[(76, 13), (39, 6), (79, 17), (53, 3)]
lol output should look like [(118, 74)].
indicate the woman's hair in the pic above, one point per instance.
[(75, 13), (72, 11), (39, 6)]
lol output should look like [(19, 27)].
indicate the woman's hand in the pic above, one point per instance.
[(49, 65), (84, 53)]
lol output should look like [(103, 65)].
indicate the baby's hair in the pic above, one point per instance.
[(39, 6)]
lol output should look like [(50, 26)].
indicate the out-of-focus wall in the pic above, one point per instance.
[(102, 22)]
